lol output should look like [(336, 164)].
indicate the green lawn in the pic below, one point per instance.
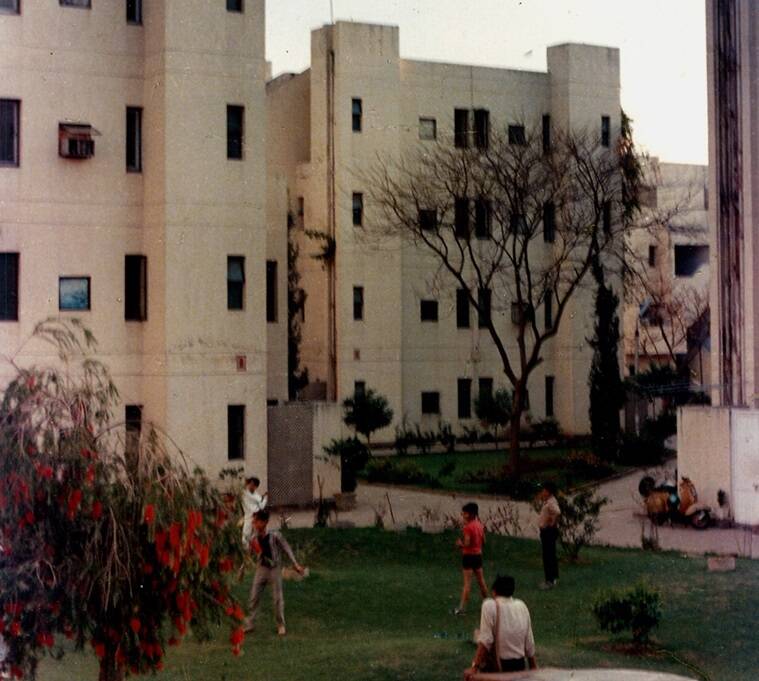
[(450, 471), (377, 608)]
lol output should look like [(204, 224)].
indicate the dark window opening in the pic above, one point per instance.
[(517, 135), (549, 222), (73, 293), (359, 388), (9, 131), (548, 310), (690, 259), (462, 309), (9, 287), (427, 219), (428, 310), (485, 389), (461, 218), (235, 282), (605, 131), (134, 11), (234, 5), (235, 432), (481, 128), (483, 303), (235, 131), (9, 6), (461, 128), (357, 114), (483, 218), (521, 313), (464, 391), (75, 3), (271, 291), (134, 139), (135, 288), (546, 133), (606, 216), (652, 256), (518, 224), (430, 403), (133, 423), (358, 303), (550, 381), (358, 209)]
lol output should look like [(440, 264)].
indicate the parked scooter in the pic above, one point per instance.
[(663, 503)]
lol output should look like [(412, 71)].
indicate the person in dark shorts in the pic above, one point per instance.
[(549, 532), (470, 543)]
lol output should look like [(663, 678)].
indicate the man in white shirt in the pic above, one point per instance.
[(252, 502), (548, 522), (512, 636)]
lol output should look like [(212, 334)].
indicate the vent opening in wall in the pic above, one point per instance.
[(75, 140)]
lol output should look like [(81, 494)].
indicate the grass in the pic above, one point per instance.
[(537, 464), (377, 608)]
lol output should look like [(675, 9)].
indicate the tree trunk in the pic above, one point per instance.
[(109, 670)]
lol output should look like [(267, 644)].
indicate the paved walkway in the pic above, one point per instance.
[(621, 520)]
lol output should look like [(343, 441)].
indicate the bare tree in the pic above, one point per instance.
[(512, 223)]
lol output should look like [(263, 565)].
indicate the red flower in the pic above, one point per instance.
[(74, 501), (15, 628), (203, 554), (29, 517), (149, 516), (236, 651), (45, 639), (135, 625), (237, 637), (89, 476), (237, 613), (225, 565), (99, 649), (175, 535), (97, 510), (121, 658)]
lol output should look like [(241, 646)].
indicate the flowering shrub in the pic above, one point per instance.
[(106, 540)]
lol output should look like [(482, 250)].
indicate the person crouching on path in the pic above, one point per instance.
[(252, 501), (504, 623), (470, 543), (548, 522), (268, 548)]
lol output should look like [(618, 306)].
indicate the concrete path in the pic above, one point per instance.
[(621, 520)]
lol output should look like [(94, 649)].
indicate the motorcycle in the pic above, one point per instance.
[(664, 502)]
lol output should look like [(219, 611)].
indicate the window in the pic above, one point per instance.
[(464, 391), (690, 259), (235, 282), (235, 130), (358, 303), (521, 314), (483, 303), (9, 131), (9, 287), (357, 114), (483, 216), (548, 310), (235, 431), (605, 131), (485, 389), (135, 288), (481, 128), (271, 290), (234, 5), (134, 139), (427, 219), (75, 140), (73, 293), (75, 3), (516, 135), (430, 403), (428, 310), (462, 309), (461, 128), (359, 388), (301, 207), (546, 133), (133, 422), (518, 224), (134, 11), (427, 129), (606, 216), (461, 218), (9, 7), (549, 222), (652, 256), (550, 381), (358, 209)]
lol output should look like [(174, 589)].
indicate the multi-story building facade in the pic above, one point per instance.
[(132, 197), (667, 300), (365, 319)]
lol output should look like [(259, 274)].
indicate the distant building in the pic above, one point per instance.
[(132, 197), (371, 319)]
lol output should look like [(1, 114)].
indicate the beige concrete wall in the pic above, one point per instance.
[(328, 425), (188, 209)]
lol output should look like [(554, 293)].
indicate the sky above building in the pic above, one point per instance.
[(662, 45)]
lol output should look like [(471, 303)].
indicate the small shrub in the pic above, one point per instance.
[(404, 437), (504, 520), (447, 469), (388, 471), (500, 482), (578, 522), (423, 440), (353, 455), (546, 430), (585, 464), (446, 437), (637, 609), (469, 436)]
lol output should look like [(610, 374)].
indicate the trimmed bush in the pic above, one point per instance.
[(578, 522), (386, 470), (637, 609)]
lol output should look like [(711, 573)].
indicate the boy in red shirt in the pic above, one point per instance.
[(470, 543)]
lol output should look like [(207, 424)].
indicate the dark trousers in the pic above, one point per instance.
[(513, 665), (548, 537)]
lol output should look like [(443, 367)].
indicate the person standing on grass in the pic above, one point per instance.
[(268, 548), (548, 522), (470, 543), (504, 624)]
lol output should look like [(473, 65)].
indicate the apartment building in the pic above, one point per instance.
[(666, 314), (132, 197), (371, 318)]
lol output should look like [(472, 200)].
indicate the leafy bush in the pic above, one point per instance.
[(447, 469), (404, 437), (545, 430), (502, 483), (578, 522), (387, 470), (587, 465), (469, 436), (637, 609), (366, 412), (423, 440), (446, 437), (353, 455), (494, 411), (643, 449)]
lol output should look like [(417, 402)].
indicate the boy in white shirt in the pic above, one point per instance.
[(252, 502)]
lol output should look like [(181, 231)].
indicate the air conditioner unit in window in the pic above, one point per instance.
[(75, 140)]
